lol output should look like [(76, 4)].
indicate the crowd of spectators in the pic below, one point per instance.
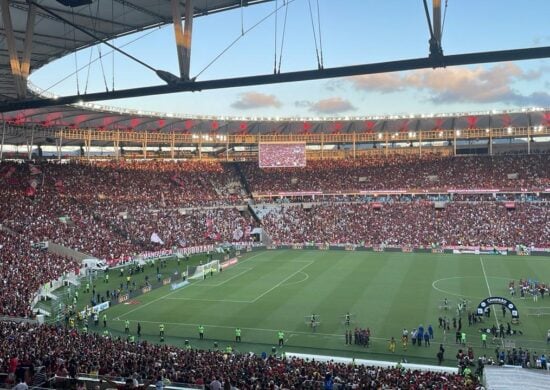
[(63, 352), (416, 224), (79, 205), (185, 228), (404, 172), (23, 270)]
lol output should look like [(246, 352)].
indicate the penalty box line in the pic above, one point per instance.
[(249, 301), (177, 291), (172, 293)]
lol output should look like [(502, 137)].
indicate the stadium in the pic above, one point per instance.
[(141, 248)]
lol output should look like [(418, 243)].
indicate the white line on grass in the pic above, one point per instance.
[(490, 293), (226, 280), (207, 300), (281, 282), (173, 292), (291, 333)]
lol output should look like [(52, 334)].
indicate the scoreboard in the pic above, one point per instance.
[(282, 154)]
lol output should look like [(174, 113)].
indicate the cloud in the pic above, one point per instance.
[(459, 84), (333, 105), (251, 100), (303, 103)]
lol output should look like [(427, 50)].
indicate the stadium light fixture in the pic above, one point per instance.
[(509, 130), (458, 132), (487, 130)]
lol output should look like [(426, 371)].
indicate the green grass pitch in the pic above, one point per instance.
[(268, 291)]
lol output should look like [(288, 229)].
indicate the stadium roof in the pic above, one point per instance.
[(54, 38), (106, 19)]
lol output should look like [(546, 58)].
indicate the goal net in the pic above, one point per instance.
[(200, 271)]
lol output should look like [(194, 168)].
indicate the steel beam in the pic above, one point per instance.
[(437, 21), (27, 50), (326, 73), (187, 39), (178, 35), (12, 49)]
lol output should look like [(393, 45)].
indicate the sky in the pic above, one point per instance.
[(350, 32)]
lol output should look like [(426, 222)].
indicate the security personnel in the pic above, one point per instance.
[(104, 320), (71, 322), (87, 288), (126, 326), (238, 335), (85, 329), (131, 339), (281, 335), (161, 332), (106, 333), (201, 332), (484, 339), (228, 349), (106, 279), (139, 329)]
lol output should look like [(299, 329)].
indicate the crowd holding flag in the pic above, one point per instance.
[(156, 239)]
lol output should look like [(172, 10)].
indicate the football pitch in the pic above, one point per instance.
[(271, 291)]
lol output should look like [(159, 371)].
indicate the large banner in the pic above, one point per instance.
[(483, 305)]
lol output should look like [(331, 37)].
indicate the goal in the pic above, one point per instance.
[(200, 271)]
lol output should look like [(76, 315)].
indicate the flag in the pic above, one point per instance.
[(237, 234), (156, 239)]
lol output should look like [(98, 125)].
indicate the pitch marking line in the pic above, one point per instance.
[(225, 281), (175, 291), (435, 283), (290, 332), (207, 300), (298, 281), (490, 293), (281, 282)]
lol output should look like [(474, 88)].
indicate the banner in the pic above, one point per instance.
[(145, 289), (175, 286), (378, 248), (438, 250), (407, 249), (349, 247), (297, 246), (96, 308), (166, 281), (323, 247), (229, 262), (271, 247), (123, 298)]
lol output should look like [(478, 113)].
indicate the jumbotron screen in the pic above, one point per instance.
[(280, 155)]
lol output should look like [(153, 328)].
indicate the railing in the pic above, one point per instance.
[(141, 137)]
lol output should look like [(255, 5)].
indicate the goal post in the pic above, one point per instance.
[(200, 271)]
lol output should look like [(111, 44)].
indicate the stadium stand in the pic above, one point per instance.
[(416, 224), (427, 173), (111, 210), (64, 353)]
